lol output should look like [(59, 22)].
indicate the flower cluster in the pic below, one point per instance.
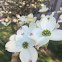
[(35, 34), (26, 19)]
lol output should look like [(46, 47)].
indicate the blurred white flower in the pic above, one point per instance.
[(46, 31), (31, 18), (43, 8), (22, 19), (26, 19)]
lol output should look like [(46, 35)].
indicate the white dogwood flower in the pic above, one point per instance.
[(43, 8), (48, 22), (22, 19), (23, 44), (31, 18), (46, 31)]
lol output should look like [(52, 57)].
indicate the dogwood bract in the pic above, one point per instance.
[(43, 8), (22, 19), (23, 44), (46, 31), (31, 18)]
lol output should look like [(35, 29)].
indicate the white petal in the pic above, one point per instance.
[(48, 24), (56, 35), (31, 42), (43, 15), (57, 26), (42, 41), (53, 13), (60, 8), (32, 25), (23, 19), (28, 54), (25, 28), (12, 37), (22, 30), (30, 18), (19, 37), (38, 23), (34, 19), (21, 23), (43, 10), (35, 34), (18, 16), (30, 15), (11, 46)]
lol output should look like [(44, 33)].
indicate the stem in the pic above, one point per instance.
[(12, 27), (14, 57), (4, 7)]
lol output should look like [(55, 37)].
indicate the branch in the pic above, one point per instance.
[(14, 57), (4, 7)]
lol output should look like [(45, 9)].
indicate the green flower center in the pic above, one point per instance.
[(48, 18), (46, 33), (25, 45)]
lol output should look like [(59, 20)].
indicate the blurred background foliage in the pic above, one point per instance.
[(23, 7)]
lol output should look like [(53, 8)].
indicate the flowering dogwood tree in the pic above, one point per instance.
[(32, 33)]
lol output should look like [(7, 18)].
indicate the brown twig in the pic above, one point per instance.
[(14, 57), (4, 7)]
